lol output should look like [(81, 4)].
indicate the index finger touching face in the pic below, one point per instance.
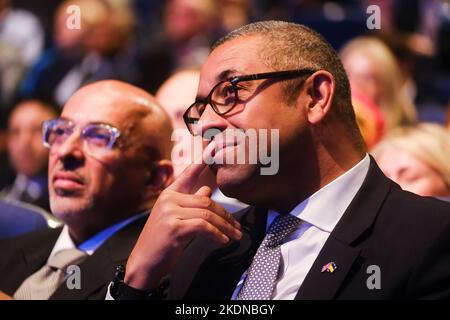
[(188, 178)]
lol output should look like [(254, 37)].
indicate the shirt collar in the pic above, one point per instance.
[(326, 206), (92, 244)]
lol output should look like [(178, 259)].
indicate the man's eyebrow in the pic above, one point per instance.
[(88, 123), (224, 75), (227, 74), (100, 123), (64, 118)]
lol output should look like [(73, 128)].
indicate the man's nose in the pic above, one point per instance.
[(71, 148), (211, 123)]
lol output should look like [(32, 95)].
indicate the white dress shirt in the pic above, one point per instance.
[(230, 204), (320, 213)]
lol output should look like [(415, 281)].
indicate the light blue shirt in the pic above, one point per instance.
[(92, 244)]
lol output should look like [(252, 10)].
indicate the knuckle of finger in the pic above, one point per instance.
[(173, 225), (206, 215), (206, 201), (202, 225)]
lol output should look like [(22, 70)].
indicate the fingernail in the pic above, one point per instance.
[(238, 234), (225, 239)]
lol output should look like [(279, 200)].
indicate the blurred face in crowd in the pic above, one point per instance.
[(27, 154), (186, 18), (66, 38), (4, 4), (94, 188), (175, 95), (94, 30), (264, 107), (411, 173), (363, 71)]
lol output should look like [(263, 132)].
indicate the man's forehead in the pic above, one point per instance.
[(235, 57), (97, 108)]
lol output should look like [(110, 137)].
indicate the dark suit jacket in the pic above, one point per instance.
[(22, 256), (43, 201), (406, 236)]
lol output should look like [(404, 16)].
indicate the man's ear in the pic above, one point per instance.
[(159, 177), (320, 90)]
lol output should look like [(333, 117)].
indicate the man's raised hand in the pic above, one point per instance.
[(176, 218)]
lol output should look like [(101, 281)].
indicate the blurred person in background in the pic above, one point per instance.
[(45, 75), (417, 158), (175, 91), (21, 29), (174, 95), (235, 13), (93, 52), (6, 172), (370, 64), (189, 27), (369, 118), (27, 155), (188, 30), (21, 43)]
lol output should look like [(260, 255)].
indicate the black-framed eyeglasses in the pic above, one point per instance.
[(225, 95), (98, 138)]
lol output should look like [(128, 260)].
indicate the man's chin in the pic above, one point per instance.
[(232, 178), (66, 208), (68, 192)]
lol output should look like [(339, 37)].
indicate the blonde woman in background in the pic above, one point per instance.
[(417, 158), (371, 66)]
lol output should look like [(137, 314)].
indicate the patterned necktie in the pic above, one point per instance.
[(44, 282), (263, 272)]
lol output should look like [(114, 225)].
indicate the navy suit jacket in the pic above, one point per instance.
[(405, 235)]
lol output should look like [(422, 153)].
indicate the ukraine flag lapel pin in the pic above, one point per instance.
[(330, 267)]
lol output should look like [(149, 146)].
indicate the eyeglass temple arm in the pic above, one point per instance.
[(270, 75)]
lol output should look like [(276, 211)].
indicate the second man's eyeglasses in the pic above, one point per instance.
[(98, 138)]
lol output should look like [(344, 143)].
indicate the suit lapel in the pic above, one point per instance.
[(32, 253), (341, 246), (98, 270), (320, 285), (36, 254)]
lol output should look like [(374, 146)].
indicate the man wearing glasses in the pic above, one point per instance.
[(328, 225), (108, 162)]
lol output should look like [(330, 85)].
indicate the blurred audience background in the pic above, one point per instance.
[(27, 155), (417, 158), (400, 73)]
